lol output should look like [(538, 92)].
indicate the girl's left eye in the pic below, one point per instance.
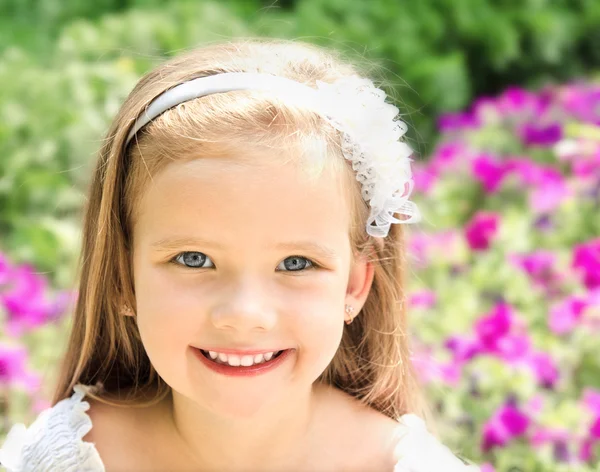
[(296, 264)]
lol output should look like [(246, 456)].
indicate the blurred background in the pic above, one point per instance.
[(503, 103)]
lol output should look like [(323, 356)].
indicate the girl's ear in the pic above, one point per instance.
[(360, 280)]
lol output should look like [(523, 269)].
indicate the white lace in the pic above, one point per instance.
[(54, 442)]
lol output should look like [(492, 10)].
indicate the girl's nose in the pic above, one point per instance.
[(244, 306)]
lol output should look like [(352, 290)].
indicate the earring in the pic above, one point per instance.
[(126, 310), (349, 310)]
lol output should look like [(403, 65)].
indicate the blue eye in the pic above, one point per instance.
[(191, 259), (296, 264)]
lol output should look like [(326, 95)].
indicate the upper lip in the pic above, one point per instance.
[(240, 352)]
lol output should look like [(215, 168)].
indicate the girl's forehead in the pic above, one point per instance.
[(229, 196)]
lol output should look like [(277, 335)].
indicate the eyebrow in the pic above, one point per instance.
[(173, 243)]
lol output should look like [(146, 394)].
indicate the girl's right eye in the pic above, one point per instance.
[(192, 260)]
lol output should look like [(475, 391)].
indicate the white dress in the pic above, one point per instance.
[(54, 443)]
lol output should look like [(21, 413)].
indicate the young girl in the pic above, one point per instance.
[(241, 304)]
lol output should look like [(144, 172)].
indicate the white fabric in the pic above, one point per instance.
[(54, 443)]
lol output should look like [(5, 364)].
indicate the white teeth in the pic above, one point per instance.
[(246, 361)]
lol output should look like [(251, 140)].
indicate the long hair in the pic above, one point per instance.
[(373, 360)]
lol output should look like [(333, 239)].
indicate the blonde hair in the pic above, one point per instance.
[(373, 360)]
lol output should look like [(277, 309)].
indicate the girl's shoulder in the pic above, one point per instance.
[(372, 441), (54, 441)]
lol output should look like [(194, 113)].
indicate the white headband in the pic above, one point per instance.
[(353, 106)]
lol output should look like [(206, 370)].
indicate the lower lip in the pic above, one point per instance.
[(243, 371)]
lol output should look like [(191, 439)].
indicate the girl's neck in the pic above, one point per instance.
[(276, 438)]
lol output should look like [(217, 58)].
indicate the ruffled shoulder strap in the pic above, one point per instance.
[(417, 450), (54, 441)]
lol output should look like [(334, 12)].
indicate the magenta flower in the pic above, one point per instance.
[(495, 325), (565, 315), (540, 135), (487, 467), (26, 302), (516, 100), (506, 424), (586, 259), (489, 171), (13, 370), (481, 229), (424, 178)]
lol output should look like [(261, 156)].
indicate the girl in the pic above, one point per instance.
[(247, 201)]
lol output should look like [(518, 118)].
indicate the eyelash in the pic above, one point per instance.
[(313, 264)]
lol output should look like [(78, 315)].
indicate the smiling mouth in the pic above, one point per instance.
[(241, 361)]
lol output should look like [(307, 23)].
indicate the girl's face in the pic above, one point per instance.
[(241, 257)]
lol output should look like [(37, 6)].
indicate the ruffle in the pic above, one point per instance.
[(417, 450), (55, 440)]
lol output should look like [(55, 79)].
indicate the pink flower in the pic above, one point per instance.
[(463, 349), (544, 368), (25, 300), (539, 265), (506, 424), (591, 400), (13, 370), (487, 467), (586, 259), (424, 298), (495, 325), (565, 315), (489, 171), (481, 229)]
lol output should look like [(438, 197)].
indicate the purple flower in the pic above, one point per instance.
[(489, 171), (565, 315), (481, 229), (586, 259), (450, 122), (541, 135), (506, 424)]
